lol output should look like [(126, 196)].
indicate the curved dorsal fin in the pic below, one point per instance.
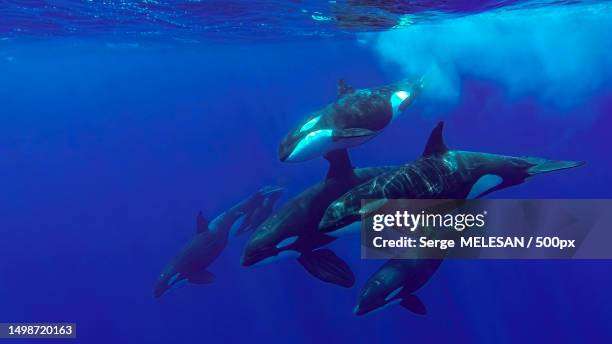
[(344, 88), (201, 223), (435, 143), (340, 166)]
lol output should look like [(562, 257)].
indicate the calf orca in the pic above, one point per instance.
[(355, 117), (440, 173), (294, 227), (260, 211), (209, 241)]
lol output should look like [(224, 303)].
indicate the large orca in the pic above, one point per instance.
[(440, 173), (395, 282), (191, 264), (355, 117), (293, 229)]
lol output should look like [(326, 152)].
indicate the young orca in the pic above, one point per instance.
[(440, 173), (260, 212), (395, 282), (355, 117), (209, 241), (293, 229)]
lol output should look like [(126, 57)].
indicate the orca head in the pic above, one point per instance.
[(402, 95), (168, 279), (540, 165), (269, 240), (380, 291), (499, 172), (394, 283), (272, 194), (308, 141), (341, 213)]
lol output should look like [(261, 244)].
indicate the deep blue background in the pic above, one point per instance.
[(108, 152)]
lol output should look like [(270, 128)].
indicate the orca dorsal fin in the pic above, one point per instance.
[(201, 223), (344, 88), (340, 166), (435, 143)]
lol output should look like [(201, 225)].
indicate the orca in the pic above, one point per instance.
[(293, 229), (260, 211), (192, 262), (395, 282), (439, 173), (354, 118)]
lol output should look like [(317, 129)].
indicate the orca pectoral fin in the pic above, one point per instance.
[(414, 304), (201, 277), (350, 133), (326, 266)]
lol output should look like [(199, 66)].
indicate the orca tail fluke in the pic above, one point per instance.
[(327, 267), (546, 166)]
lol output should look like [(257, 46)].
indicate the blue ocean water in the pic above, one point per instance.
[(119, 121)]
